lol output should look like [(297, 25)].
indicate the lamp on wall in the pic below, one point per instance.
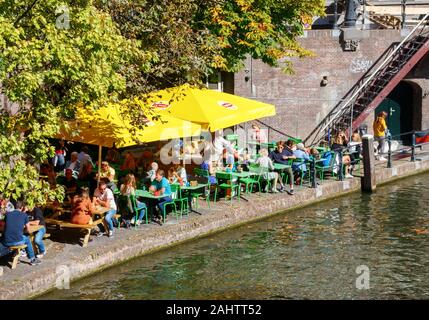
[(324, 81), (247, 77)]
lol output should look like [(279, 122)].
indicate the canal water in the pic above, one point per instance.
[(355, 247)]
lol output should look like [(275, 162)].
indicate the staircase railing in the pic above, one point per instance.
[(347, 103)]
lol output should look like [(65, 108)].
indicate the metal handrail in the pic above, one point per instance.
[(380, 67)]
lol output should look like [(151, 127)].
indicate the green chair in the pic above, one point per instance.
[(251, 181), (176, 195), (136, 209), (127, 206), (175, 199), (253, 167), (204, 174), (329, 168), (229, 184)]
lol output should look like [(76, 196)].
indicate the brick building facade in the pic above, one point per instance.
[(302, 100)]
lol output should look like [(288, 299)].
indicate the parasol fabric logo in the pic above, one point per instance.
[(227, 105), (148, 122), (161, 105)]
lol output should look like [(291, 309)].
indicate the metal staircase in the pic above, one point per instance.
[(375, 85)]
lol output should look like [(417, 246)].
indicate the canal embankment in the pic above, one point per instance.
[(67, 261)]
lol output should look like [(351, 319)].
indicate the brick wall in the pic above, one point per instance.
[(300, 100)]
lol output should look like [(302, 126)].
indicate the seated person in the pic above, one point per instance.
[(107, 173), (180, 173), (74, 164), (151, 174), (82, 208), (355, 148), (207, 165), (228, 160), (300, 153), (340, 145), (48, 174), (103, 196), (129, 162), (314, 153), (160, 186), (13, 234), (69, 182), (326, 159), (282, 155), (85, 172), (265, 162), (37, 219), (172, 176), (128, 188)]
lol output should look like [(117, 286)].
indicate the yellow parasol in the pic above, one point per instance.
[(213, 109)]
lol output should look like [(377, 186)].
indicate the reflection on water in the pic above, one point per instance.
[(306, 254)]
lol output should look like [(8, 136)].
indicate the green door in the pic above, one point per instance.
[(393, 120)]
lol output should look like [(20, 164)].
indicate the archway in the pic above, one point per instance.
[(404, 109)]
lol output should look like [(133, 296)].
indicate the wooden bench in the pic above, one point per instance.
[(17, 254), (85, 227)]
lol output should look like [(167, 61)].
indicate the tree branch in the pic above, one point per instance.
[(25, 13)]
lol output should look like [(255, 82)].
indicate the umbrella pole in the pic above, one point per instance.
[(100, 149)]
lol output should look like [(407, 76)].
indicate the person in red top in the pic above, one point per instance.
[(82, 208)]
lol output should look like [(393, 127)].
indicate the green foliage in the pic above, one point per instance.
[(46, 71), (264, 29)]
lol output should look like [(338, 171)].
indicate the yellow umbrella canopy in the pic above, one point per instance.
[(213, 109), (106, 126)]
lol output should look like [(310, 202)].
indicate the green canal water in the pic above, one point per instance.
[(311, 253)]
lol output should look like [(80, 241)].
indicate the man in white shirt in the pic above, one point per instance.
[(219, 144), (103, 196)]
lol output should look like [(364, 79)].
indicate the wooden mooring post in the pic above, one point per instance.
[(368, 182)]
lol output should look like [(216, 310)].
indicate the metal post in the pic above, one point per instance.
[(404, 16), (351, 15), (313, 173), (335, 14), (351, 122), (368, 181), (340, 172), (413, 148), (389, 154)]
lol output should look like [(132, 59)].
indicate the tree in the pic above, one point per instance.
[(265, 29), (46, 68)]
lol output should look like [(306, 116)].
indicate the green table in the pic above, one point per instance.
[(193, 188), (148, 195), (188, 189), (244, 174), (321, 149), (279, 166)]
